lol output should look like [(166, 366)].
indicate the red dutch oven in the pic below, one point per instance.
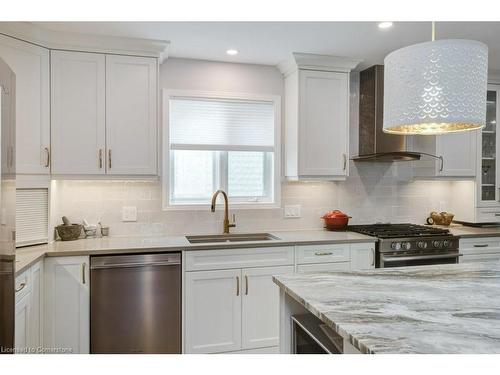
[(336, 220)]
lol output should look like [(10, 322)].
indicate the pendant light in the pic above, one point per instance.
[(436, 87)]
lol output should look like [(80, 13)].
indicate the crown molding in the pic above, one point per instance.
[(317, 62), (85, 42)]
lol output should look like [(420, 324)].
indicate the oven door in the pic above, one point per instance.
[(393, 260)]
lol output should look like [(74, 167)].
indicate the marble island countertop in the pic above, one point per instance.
[(425, 309), (120, 245)]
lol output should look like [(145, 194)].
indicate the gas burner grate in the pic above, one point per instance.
[(398, 230)]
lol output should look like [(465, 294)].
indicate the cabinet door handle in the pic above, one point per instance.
[(109, 159), (47, 157), (373, 257), (246, 285), (483, 245), (345, 161), (100, 158), (319, 253), (20, 287), (237, 285), (84, 266), (441, 166)]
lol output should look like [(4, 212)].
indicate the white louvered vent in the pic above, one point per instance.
[(32, 216)]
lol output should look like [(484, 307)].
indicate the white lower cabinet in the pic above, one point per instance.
[(260, 307), (481, 249), (28, 309), (213, 311), (362, 256), (67, 304)]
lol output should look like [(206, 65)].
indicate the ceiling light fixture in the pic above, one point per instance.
[(385, 25), (232, 52), (436, 87)]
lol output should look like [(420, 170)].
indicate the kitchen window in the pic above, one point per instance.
[(220, 141)]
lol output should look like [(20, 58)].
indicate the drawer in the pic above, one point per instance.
[(23, 284), (324, 267), (323, 253), (494, 258), (484, 245), (488, 215), (197, 260)]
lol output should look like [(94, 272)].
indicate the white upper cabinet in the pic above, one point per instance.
[(30, 64), (317, 116), (78, 112), (456, 154), (131, 115)]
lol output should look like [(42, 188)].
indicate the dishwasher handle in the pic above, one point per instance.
[(134, 265), (135, 260)]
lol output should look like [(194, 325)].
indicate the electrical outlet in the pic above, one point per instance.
[(129, 213), (292, 211)]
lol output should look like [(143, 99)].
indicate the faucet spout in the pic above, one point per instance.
[(226, 222)]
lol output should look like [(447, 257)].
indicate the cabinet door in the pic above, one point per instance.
[(131, 101), (458, 153), (323, 123), (213, 311), (362, 256), (78, 114), (22, 322), (30, 64), (488, 141), (36, 317), (260, 306), (67, 303)]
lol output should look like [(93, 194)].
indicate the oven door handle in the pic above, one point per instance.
[(421, 257)]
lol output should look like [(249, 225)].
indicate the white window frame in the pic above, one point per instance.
[(167, 94)]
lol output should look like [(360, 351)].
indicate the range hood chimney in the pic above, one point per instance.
[(374, 144)]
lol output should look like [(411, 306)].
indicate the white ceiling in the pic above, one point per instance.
[(272, 42)]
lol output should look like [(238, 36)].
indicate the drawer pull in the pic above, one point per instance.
[(497, 214), (319, 253), (483, 245), (20, 287)]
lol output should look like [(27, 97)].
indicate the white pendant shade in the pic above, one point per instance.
[(436, 87)]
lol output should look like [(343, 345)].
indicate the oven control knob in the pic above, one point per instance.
[(446, 243), (422, 244), (406, 245), (437, 244), (395, 245)]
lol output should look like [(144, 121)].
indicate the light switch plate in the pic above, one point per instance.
[(129, 213), (292, 211)]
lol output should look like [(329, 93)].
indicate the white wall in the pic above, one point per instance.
[(372, 193)]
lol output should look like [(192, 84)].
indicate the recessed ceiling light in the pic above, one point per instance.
[(232, 52), (385, 25)]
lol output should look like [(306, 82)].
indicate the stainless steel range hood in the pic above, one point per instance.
[(374, 144)]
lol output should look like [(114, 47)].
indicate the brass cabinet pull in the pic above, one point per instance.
[(237, 285), (345, 161), (246, 285), (483, 245), (100, 158), (20, 287), (84, 265), (109, 158), (47, 155), (319, 253)]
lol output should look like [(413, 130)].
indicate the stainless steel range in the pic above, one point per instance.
[(410, 245)]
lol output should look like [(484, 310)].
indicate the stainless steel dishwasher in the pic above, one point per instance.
[(135, 303)]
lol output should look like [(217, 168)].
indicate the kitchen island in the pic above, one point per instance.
[(427, 309)]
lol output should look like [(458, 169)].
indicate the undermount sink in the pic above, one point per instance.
[(243, 237)]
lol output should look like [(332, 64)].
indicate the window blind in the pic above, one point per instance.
[(32, 216), (221, 124)]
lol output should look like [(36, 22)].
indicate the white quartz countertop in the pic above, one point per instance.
[(120, 245), (426, 309)]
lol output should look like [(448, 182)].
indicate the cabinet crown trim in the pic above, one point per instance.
[(317, 62), (85, 42)]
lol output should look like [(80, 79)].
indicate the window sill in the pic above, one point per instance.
[(220, 206)]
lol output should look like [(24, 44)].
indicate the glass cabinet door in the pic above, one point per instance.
[(489, 146)]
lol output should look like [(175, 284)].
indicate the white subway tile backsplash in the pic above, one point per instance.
[(372, 193)]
